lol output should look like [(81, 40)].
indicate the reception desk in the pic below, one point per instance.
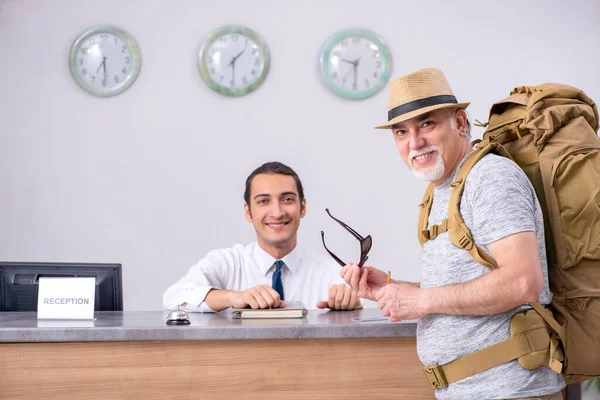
[(135, 355)]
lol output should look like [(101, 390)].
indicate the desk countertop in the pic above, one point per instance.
[(23, 327)]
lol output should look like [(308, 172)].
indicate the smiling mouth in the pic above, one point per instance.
[(421, 157), (277, 224)]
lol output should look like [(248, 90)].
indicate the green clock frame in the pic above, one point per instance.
[(263, 48), (326, 54)]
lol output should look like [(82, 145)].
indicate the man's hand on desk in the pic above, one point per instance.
[(341, 297), (261, 296)]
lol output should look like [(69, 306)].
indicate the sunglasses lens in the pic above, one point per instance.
[(365, 246)]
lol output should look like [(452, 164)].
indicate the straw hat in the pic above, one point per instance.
[(418, 93)]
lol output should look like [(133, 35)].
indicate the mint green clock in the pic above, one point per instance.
[(355, 64), (234, 60)]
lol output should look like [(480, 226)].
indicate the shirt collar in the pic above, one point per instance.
[(265, 261)]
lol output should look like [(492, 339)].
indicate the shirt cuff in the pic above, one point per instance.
[(194, 297)]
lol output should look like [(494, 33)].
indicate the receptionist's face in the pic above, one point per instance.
[(275, 211)]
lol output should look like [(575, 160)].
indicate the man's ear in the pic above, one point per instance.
[(303, 208), (247, 212), (461, 121)]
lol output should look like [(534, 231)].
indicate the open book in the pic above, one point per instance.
[(293, 309)]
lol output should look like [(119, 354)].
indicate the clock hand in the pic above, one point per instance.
[(355, 69), (347, 61), (104, 63), (346, 76), (101, 64), (234, 59)]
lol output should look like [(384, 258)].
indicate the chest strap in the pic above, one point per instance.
[(435, 230)]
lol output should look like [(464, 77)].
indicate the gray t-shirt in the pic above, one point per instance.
[(498, 201)]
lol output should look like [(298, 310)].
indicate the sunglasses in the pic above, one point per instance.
[(365, 243)]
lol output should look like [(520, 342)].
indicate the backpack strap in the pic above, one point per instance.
[(424, 211), (559, 334), (441, 376), (460, 234)]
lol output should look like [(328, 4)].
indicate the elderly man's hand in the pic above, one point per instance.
[(401, 301), (368, 281)]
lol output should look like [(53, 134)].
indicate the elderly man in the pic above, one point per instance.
[(462, 306)]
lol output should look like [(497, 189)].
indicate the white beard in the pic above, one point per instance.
[(432, 173)]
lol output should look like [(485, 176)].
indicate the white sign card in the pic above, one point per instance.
[(66, 298)]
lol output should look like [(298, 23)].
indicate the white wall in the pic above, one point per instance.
[(153, 178)]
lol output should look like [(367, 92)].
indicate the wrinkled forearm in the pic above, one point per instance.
[(416, 284), (495, 292)]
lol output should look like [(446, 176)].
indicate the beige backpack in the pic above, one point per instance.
[(550, 132)]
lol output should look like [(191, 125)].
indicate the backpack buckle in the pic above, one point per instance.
[(435, 376), (465, 242), (433, 232)]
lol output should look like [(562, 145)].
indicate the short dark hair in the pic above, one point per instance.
[(273, 167)]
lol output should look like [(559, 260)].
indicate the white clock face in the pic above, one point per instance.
[(356, 65), (104, 62), (234, 61)]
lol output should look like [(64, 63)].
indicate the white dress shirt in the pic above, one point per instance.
[(307, 276)]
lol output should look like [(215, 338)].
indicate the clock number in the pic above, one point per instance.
[(80, 61), (232, 83), (116, 41), (256, 62), (124, 70), (116, 79), (84, 51), (212, 71), (344, 43), (103, 37), (244, 80), (103, 82), (354, 86), (234, 38), (221, 78), (126, 60), (356, 40), (253, 72), (223, 39), (93, 78), (375, 74), (83, 72), (367, 83), (337, 53), (334, 75), (123, 48), (209, 61), (378, 64)]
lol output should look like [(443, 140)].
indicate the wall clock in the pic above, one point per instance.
[(355, 64), (104, 60), (234, 60)]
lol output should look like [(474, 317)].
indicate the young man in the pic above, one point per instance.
[(272, 270), (462, 306)]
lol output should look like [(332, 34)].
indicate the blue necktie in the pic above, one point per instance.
[(277, 284)]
